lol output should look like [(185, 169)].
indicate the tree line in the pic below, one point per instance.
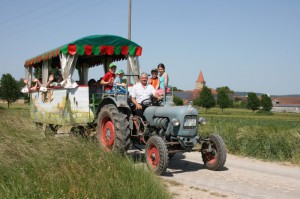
[(225, 99)]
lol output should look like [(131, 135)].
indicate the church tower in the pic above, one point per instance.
[(200, 83)]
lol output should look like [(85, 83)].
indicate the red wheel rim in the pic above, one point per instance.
[(211, 159), (107, 133), (153, 156)]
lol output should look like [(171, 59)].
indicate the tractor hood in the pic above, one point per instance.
[(178, 112)]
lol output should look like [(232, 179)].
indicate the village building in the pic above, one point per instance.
[(190, 95), (280, 103)]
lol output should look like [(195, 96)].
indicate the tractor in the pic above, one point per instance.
[(165, 130)]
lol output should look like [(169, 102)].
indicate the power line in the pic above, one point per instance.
[(27, 12), (53, 19), (42, 15)]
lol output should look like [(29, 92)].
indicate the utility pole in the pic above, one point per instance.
[(129, 20), (129, 37)]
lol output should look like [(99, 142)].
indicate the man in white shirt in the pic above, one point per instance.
[(142, 92)]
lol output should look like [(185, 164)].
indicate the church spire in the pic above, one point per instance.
[(200, 78), (200, 83)]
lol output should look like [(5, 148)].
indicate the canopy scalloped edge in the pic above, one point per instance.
[(92, 45)]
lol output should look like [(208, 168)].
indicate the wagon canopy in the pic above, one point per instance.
[(91, 50)]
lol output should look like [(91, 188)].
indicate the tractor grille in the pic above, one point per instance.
[(190, 122)]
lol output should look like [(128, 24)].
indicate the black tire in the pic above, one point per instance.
[(171, 155), (215, 159), (156, 155), (113, 131)]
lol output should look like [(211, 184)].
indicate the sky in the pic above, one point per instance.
[(249, 46)]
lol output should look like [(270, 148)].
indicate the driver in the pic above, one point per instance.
[(141, 94)]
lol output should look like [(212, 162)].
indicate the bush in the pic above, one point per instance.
[(177, 100)]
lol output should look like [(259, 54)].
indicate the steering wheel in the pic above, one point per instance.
[(147, 102), (155, 101)]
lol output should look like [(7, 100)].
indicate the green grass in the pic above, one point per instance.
[(35, 166), (274, 136)]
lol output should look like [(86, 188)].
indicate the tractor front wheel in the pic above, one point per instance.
[(214, 152), (156, 153)]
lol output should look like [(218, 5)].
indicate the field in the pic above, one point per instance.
[(35, 166), (267, 136)]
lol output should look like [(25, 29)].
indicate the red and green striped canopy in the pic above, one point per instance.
[(96, 45)]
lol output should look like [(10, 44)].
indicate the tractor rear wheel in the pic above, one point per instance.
[(156, 153), (214, 156), (113, 129)]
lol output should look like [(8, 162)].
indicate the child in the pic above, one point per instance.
[(154, 80), (108, 79), (118, 83), (163, 79)]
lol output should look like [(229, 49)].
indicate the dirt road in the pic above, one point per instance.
[(186, 177)]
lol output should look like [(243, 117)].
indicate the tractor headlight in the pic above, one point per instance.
[(202, 120), (175, 122), (190, 122)]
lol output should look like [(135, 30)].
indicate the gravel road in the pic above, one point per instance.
[(242, 177)]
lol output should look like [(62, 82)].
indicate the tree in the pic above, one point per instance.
[(266, 102), (239, 102), (177, 100), (223, 99), (226, 89), (205, 99), (252, 101), (9, 89), (176, 89)]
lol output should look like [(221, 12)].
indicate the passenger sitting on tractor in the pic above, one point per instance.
[(154, 81), (108, 79), (141, 95), (119, 86)]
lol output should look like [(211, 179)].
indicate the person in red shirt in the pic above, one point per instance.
[(108, 79)]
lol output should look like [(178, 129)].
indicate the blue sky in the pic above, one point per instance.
[(251, 46)]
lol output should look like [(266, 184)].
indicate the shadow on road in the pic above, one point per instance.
[(177, 164)]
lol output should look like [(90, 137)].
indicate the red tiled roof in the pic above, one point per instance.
[(287, 100)]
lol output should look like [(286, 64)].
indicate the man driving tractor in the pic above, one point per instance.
[(141, 95)]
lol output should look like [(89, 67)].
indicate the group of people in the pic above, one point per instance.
[(36, 83), (113, 84), (159, 79), (112, 80), (141, 92)]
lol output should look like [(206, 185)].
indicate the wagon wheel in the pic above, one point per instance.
[(214, 156), (113, 129), (156, 153)]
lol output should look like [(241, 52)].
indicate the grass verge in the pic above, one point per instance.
[(35, 166)]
